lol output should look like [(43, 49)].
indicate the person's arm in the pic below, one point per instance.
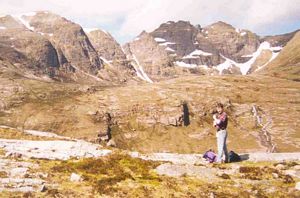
[(222, 118), (215, 120)]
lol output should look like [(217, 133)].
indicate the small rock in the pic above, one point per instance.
[(288, 179), (134, 154), (280, 167), (42, 175), (297, 186), (111, 143), (270, 190), (275, 175), (43, 188), (297, 167), (224, 176), (104, 138), (18, 172), (75, 178), (291, 172)]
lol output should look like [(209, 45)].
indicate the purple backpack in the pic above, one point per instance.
[(210, 156)]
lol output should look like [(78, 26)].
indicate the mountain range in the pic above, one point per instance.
[(43, 45)]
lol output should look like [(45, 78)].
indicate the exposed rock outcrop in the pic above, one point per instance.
[(147, 56), (106, 46), (231, 42), (59, 47)]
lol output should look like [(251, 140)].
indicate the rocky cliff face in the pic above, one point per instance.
[(147, 56), (69, 38), (21, 46), (231, 42), (218, 48), (183, 39), (59, 48), (105, 45), (184, 45)]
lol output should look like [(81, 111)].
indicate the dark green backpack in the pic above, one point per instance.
[(233, 157)]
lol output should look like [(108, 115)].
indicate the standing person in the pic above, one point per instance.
[(220, 122)]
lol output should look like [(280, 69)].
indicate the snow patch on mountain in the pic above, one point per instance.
[(247, 56), (2, 28), (26, 23), (140, 71), (245, 67), (183, 64), (225, 65), (160, 40), (167, 43), (170, 49), (243, 33), (274, 55), (196, 53), (42, 33), (278, 48), (106, 61), (89, 30)]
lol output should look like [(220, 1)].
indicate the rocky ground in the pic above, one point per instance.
[(52, 168)]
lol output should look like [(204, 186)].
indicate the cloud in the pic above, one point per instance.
[(126, 19), (256, 14), (266, 14)]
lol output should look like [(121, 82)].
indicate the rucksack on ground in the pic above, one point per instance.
[(210, 156), (233, 157)]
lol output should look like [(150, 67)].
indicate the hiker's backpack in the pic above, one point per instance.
[(233, 157), (210, 156)]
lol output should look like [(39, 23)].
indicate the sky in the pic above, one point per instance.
[(125, 19)]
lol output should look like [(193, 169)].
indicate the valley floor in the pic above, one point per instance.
[(157, 151), (37, 168)]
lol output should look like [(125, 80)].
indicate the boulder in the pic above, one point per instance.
[(75, 178), (111, 143), (18, 172)]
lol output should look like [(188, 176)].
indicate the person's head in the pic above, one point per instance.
[(220, 108)]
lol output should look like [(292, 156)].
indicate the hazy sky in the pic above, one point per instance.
[(125, 19)]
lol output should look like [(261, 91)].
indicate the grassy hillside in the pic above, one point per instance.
[(287, 64), (144, 116)]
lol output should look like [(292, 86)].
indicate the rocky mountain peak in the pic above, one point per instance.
[(231, 42), (220, 24), (179, 36), (105, 45), (69, 39)]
